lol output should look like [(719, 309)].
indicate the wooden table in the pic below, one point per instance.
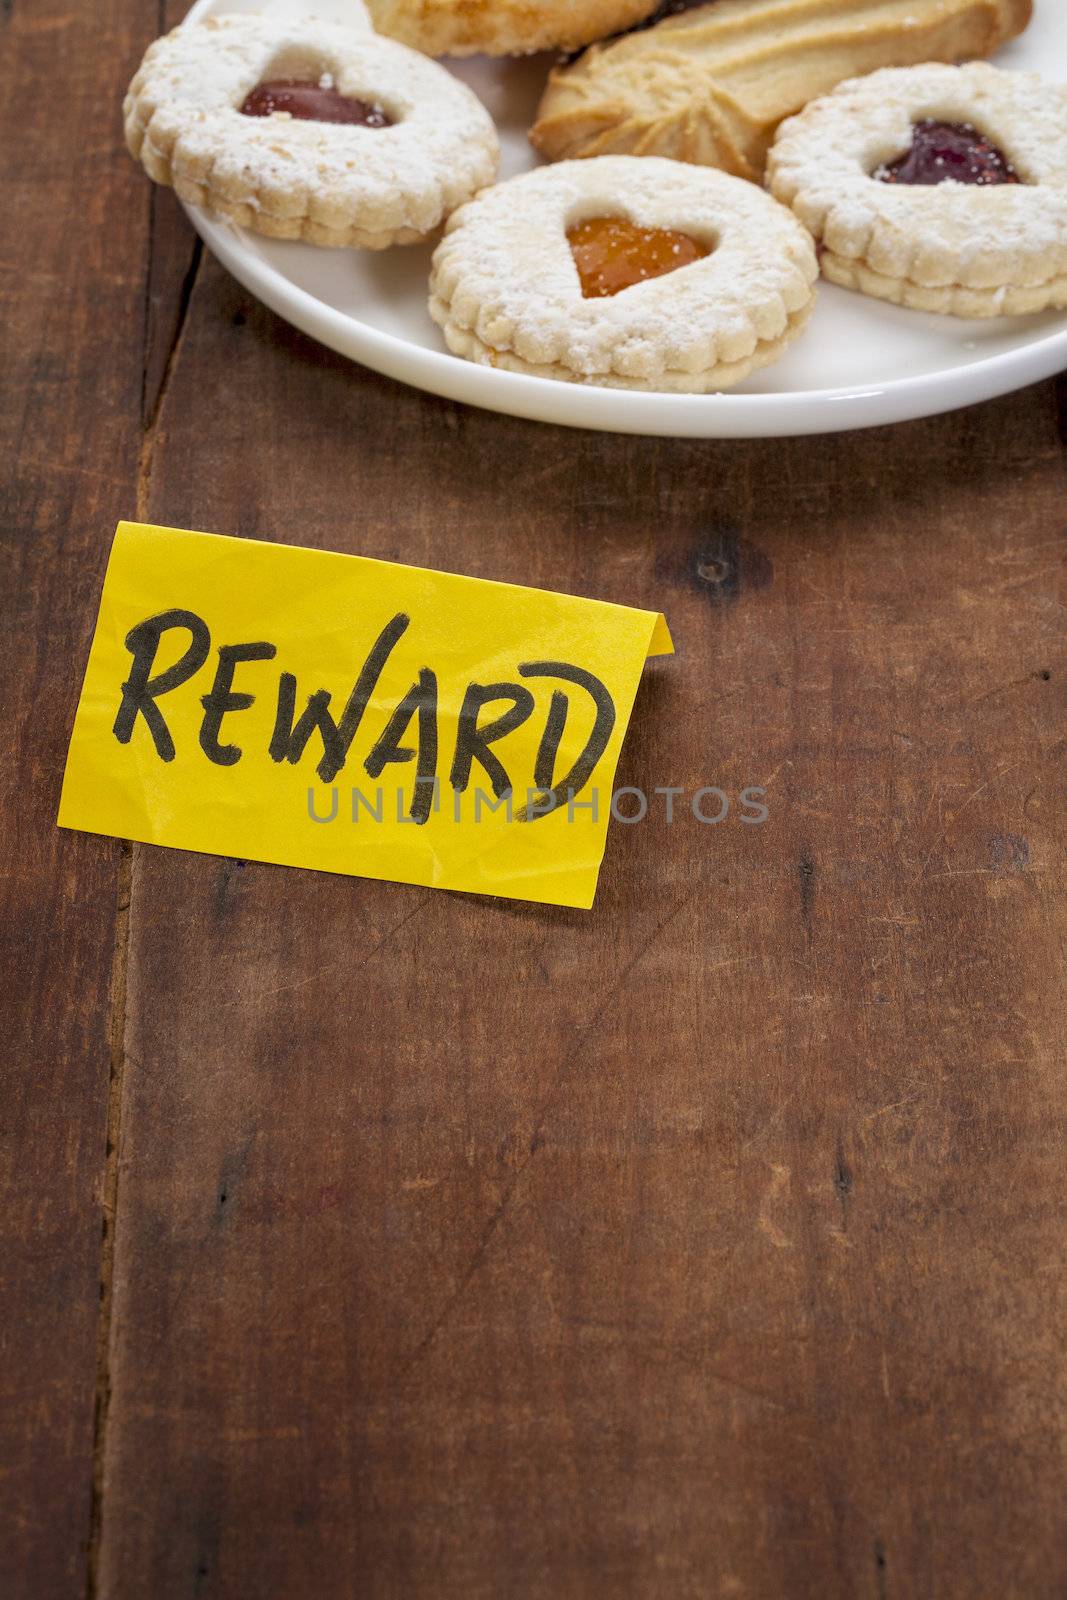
[(360, 1241)]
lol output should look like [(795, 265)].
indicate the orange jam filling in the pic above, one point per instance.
[(613, 254)]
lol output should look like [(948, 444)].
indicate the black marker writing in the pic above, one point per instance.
[(472, 742), (290, 740), (141, 690), (603, 726), (221, 698), (420, 700)]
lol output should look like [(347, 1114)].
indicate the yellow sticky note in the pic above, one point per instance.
[(354, 716)]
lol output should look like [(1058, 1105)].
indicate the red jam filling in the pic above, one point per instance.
[(944, 152), (312, 102), (612, 254)]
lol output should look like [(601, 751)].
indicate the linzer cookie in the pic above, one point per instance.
[(712, 84), (309, 130), (631, 274), (504, 27), (941, 188)]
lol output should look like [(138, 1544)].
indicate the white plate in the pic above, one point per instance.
[(860, 363)]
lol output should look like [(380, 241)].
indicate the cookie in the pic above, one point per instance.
[(634, 274), (309, 130), (941, 188), (504, 27), (711, 85)]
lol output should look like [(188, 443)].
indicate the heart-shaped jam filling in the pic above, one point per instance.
[(949, 152), (612, 254), (311, 101)]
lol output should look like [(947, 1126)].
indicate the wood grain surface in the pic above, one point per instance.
[(707, 1244)]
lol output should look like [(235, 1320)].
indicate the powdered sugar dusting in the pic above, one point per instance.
[(504, 273), (949, 247), (331, 183)]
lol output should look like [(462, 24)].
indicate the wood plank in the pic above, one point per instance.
[(72, 306), (697, 1245)]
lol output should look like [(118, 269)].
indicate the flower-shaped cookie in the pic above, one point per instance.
[(308, 130), (940, 188), (627, 272)]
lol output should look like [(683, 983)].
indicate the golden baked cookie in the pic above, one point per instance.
[(300, 129), (503, 27), (711, 85), (624, 273), (940, 188)]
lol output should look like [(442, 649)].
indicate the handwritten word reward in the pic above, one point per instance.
[(226, 673), (143, 689)]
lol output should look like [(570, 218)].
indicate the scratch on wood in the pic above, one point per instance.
[(109, 1207), (1003, 688), (766, 1223), (346, 964), (748, 1389), (536, 1142), (955, 815), (894, 1105)]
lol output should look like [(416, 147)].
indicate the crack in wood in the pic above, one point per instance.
[(152, 408), (109, 1204), (806, 875), (843, 1179), (146, 305), (120, 959)]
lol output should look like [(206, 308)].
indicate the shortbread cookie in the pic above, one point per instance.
[(712, 85), (309, 130), (632, 274), (504, 27), (941, 188)]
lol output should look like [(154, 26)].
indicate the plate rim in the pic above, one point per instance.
[(802, 412)]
